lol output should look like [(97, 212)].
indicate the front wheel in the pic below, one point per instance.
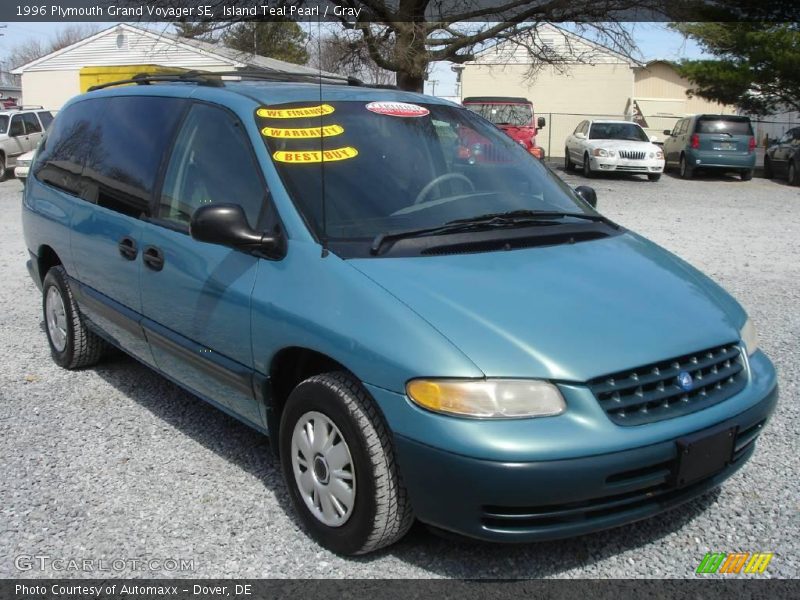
[(338, 462), (794, 173), (3, 168), (72, 345), (654, 176), (587, 166)]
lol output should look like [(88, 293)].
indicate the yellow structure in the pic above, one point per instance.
[(89, 76)]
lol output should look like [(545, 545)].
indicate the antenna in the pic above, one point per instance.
[(322, 144)]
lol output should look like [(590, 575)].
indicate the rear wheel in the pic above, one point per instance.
[(568, 164), (768, 172), (3, 167), (654, 176), (72, 345), (338, 463), (587, 166), (686, 172), (794, 173), (747, 175)]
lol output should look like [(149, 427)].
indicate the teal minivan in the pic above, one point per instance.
[(424, 319)]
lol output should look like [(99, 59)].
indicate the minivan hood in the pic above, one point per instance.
[(570, 312)]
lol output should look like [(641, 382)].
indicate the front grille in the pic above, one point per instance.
[(631, 168), (652, 393), (647, 485), (631, 154)]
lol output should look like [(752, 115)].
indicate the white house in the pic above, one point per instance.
[(53, 79)]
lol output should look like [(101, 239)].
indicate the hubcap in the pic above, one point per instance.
[(56, 317), (323, 469)]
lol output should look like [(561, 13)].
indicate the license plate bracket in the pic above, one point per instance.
[(702, 454)]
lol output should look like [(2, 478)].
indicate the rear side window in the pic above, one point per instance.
[(46, 117), (730, 125), (61, 156), (31, 123), (212, 162), (132, 135)]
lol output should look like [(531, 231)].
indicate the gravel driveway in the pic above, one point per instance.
[(117, 463)]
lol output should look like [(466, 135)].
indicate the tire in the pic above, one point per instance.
[(380, 511), (568, 164), (746, 175), (686, 172), (793, 173), (768, 172), (587, 166), (72, 345), (3, 167), (654, 176)]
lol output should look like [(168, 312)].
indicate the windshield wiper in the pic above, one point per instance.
[(521, 217), (457, 226)]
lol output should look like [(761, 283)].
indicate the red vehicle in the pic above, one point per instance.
[(514, 116)]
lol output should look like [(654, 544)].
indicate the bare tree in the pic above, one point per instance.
[(341, 52)]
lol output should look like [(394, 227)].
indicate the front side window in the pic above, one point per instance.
[(46, 117), (385, 166), (617, 131), (16, 128), (212, 162), (3, 123)]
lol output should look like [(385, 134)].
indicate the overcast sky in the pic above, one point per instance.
[(654, 40)]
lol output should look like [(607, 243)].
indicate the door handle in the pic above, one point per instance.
[(153, 257), (127, 248)]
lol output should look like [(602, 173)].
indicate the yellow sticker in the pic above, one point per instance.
[(295, 113), (305, 132), (315, 156)]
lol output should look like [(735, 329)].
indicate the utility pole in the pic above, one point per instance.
[(433, 83)]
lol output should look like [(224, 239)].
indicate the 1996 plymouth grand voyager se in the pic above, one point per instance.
[(421, 334)]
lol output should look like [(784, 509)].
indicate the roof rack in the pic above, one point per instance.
[(214, 78), (23, 107)]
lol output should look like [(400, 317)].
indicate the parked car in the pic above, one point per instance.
[(514, 116), (714, 142), (23, 166), (420, 335), (600, 146), (20, 132), (783, 157)]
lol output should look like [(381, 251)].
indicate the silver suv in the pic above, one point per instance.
[(20, 131)]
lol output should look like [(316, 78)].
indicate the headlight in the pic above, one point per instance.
[(603, 152), (488, 398), (659, 154), (749, 337)]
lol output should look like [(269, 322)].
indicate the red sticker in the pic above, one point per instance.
[(397, 109)]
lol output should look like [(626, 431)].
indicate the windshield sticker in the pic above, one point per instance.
[(397, 109), (295, 113), (315, 156), (304, 132)]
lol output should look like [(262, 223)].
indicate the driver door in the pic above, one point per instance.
[(196, 296)]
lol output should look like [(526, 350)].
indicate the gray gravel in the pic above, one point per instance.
[(117, 463)]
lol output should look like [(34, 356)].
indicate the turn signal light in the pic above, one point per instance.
[(695, 141), (751, 144)]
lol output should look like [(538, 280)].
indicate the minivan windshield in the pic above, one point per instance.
[(393, 166), (729, 125), (617, 131), (503, 113)]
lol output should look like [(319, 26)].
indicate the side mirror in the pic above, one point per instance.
[(587, 194), (580, 135), (654, 138), (668, 133), (540, 123), (226, 225)]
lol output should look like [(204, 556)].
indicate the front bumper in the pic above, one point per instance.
[(541, 499), (611, 164)]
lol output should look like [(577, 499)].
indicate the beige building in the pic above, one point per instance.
[(55, 78), (586, 81)]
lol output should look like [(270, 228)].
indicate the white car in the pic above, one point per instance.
[(609, 146), (23, 166)]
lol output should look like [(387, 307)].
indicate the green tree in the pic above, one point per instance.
[(282, 40), (756, 65)]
